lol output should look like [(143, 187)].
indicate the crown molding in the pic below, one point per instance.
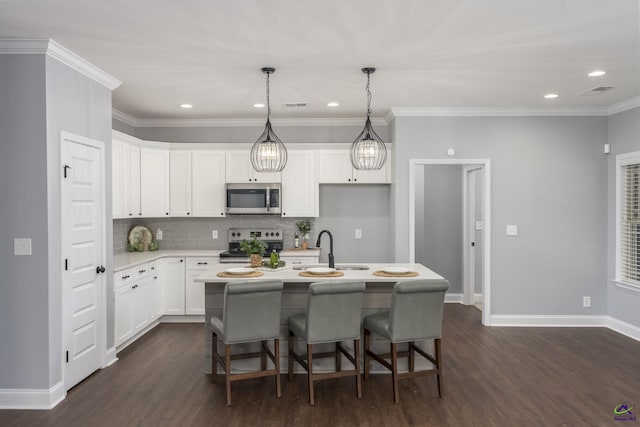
[(320, 121), (56, 51), (503, 112), (624, 105)]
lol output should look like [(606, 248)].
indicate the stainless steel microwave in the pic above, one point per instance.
[(254, 199)]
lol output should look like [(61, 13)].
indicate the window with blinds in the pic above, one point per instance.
[(629, 238)]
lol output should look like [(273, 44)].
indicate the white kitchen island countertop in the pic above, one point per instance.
[(289, 275)]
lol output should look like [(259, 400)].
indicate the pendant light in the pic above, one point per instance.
[(368, 151), (268, 153)]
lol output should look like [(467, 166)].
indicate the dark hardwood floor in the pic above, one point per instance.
[(492, 377)]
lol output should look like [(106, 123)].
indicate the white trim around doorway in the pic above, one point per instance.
[(486, 241)]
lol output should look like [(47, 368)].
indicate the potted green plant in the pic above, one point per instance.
[(255, 249), (304, 225)]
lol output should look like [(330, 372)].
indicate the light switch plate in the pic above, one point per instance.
[(214, 234), (158, 234), (358, 233), (512, 230), (22, 246), (479, 225)]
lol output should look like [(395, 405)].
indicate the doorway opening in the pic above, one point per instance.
[(449, 225)]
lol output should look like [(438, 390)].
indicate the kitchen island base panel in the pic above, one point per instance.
[(294, 298)]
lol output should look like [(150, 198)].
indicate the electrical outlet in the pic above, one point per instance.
[(358, 233), (214, 234), (22, 246), (512, 230), (479, 225), (158, 234), (586, 301)]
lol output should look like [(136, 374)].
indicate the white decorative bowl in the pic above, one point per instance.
[(239, 270), (320, 270), (395, 270)]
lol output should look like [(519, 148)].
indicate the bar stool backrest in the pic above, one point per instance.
[(334, 311), (416, 309), (252, 310)]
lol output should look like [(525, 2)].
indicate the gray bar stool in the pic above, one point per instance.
[(251, 313), (333, 315), (415, 314)]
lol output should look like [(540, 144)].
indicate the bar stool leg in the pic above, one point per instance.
[(356, 346), (412, 357), (367, 337), (263, 355), (214, 362), (276, 353), (394, 372), (290, 358), (227, 368), (310, 373), (438, 349), (338, 358)]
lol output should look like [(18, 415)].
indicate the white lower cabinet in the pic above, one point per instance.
[(132, 310), (173, 269), (194, 298), (300, 260)]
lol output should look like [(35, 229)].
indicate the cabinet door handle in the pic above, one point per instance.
[(203, 263), (141, 271)]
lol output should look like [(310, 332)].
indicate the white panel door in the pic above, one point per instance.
[(83, 251)]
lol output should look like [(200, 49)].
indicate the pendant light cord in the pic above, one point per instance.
[(268, 102), (368, 94)]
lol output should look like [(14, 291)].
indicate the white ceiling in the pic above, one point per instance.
[(429, 53)]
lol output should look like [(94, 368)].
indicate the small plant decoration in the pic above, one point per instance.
[(304, 225), (255, 250)]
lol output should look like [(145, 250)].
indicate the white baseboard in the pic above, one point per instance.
[(182, 319), (32, 398), (547, 320), (453, 298), (623, 328), (110, 358)]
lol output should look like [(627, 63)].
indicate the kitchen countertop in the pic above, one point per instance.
[(131, 259), (291, 276)]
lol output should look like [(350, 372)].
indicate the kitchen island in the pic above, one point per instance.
[(377, 297)]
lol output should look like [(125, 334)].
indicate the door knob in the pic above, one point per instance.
[(100, 269)]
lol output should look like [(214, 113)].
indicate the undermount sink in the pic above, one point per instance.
[(338, 267)]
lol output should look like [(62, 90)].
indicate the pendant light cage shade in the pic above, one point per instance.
[(268, 153), (368, 151)]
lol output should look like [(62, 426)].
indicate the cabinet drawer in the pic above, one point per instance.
[(293, 260), (201, 263), (130, 275)]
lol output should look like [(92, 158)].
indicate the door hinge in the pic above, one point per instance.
[(65, 169), (66, 264), (67, 356)]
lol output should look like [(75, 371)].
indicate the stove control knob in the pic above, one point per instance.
[(233, 234), (277, 234), (239, 234)]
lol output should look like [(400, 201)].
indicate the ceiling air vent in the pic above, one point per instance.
[(597, 91), (296, 104)]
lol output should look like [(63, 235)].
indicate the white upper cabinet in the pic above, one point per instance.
[(180, 183), (300, 185), (154, 181), (207, 178), (334, 167), (240, 170), (125, 168)]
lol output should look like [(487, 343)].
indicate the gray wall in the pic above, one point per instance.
[(40, 97), (439, 236), (24, 284), (343, 208), (548, 176), (624, 136), (249, 134), (123, 127), (81, 106)]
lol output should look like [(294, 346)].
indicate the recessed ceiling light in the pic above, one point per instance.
[(551, 95), (597, 73), (332, 104), (258, 105), (186, 106)]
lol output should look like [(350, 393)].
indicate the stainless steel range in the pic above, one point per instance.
[(273, 237)]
